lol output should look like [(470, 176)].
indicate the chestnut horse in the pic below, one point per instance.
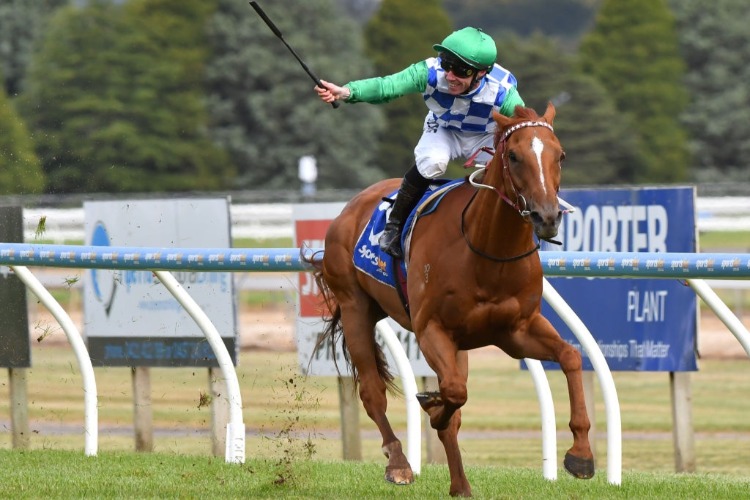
[(474, 280)]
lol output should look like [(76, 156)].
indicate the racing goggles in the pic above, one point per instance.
[(456, 66)]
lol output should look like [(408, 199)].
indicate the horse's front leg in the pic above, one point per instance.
[(544, 343), (451, 367), (445, 413), (449, 437), (579, 460)]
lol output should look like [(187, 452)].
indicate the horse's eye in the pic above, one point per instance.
[(512, 156), (562, 156)]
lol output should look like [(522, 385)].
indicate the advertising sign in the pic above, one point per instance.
[(639, 324), (311, 222), (130, 319)]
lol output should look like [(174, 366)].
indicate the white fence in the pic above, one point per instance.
[(270, 220), (65, 225), (18, 255), (692, 267), (723, 213)]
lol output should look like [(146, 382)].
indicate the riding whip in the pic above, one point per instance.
[(276, 32)]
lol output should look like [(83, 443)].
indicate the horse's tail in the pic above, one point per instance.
[(333, 329)]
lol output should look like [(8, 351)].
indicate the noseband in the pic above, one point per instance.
[(520, 200)]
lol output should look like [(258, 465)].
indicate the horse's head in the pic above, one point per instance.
[(526, 167)]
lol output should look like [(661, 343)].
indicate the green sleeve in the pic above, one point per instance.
[(386, 88), (512, 99)]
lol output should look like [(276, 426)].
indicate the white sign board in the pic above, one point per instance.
[(130, 318), (311, 222)]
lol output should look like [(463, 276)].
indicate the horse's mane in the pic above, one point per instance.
[(525, 113), (520, 114)]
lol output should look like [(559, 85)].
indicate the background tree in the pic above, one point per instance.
[(118, 97), (402, 32), (563, 20), (21, 23), (359, 10), (263, 109), (715, 44), (115, 99), (633, 51), (20, 170), (599, 144)]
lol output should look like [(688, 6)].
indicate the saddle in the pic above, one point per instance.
[(369, 259)]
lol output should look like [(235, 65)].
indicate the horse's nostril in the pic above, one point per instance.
[(546, 227), (537, 218)]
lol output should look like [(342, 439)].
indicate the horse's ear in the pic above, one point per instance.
[(549, 115), (501, 120)]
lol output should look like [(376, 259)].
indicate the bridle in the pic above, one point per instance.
[(520, 204), (520, 200)]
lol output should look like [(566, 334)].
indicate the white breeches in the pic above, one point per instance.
[(439, 145)]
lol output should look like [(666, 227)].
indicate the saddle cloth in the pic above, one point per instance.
[(368, 257)]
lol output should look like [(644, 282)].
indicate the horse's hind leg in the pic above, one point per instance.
[(358, 322)]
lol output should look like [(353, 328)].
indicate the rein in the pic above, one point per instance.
[(486, 255), (523, 212)]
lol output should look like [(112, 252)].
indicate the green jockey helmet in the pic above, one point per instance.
[(472, 46)]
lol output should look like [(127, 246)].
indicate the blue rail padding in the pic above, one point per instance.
[(584, 264), (646, 265), (145, 258)]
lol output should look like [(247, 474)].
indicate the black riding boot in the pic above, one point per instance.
[(412, 188)]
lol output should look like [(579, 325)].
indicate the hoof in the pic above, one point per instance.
[(429, 399), (399, 475), (582, 468)]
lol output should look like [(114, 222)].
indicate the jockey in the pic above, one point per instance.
[(461, 87)]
